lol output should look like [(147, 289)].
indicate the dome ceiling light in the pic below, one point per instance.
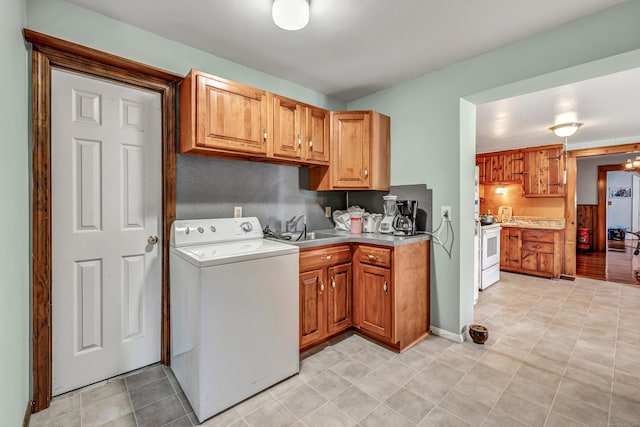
[(565, 130), (290, 15)]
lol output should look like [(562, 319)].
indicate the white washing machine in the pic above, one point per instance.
[(234, 311)]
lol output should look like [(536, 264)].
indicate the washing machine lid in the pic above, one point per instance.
[(230, 252)]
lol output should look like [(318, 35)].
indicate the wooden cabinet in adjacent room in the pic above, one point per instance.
[(221, 117), (360, 153), (532, 251), (500, 167), (544, 172), (325, 293), (510, 248), (391, 293)]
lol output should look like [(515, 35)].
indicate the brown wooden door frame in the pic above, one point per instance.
[(48, 52), (602, 203), (571, 201)]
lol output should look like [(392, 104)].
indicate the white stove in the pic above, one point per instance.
[(490, 255), (234, 311)]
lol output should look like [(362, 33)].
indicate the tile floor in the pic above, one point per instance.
[(560, 353)]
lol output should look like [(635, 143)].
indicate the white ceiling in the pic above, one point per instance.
[(351, 48), (608, 107)]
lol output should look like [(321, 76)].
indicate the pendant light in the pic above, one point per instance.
[(290, 15)]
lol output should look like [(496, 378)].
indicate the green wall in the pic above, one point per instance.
[(14, 216), (79, 25), (433, 125)]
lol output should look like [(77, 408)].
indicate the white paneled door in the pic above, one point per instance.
[(106, 216)]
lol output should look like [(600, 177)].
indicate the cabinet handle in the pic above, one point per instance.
[(310, 144), (372, 257), (366, 173), (321, 286), (537, 246), (264, 136), (299, 142), (327, 257), (333, 283), (385, 288)]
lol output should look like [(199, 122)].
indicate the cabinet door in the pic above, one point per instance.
[(287, 128), (312, 306), (510, 248), (350, 151), (375, 301), (230, 116), (513, 166), (544, 173), (339, 297), (318, 124), (530, 261), (545, 263), (480, 162), (497, 168)]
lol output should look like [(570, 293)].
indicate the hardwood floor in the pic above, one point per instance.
[(618, 264)]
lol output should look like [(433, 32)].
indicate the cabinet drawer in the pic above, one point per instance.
[(332, 255), (375, 256), (540, 247), (538, 235)]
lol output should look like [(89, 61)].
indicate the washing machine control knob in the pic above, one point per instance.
[(200, 230), (246, 227)]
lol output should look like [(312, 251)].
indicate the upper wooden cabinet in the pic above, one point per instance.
[(544, 172), (360, 153), (501, 167), (300, 131), (220, 116)]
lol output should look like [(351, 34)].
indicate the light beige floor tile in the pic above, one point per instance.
[(328, 415), (286, 386), (409, 405), (586, 393), (428, 387), (445, 374), (500, 419), (223, 419), (414, 359), (624, 410), (106, 410), (330, 357), (371, 358), (557, 420), (351, 369), (274, 414), (484, 383), (502, 362), (465, 407), (534, 392), (456, 361), (355, 403), (522, 410), (302, 400), (60, 405), (129, 420), (442, 418), (384, 416), (329, 384), (579, 411), (254, 402), (539, 376), (378, 385)]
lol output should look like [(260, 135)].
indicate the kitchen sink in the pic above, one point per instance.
[(311, 235)]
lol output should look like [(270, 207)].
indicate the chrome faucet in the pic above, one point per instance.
[(292, 224)]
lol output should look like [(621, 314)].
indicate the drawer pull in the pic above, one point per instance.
[(372, 257), (385, 287), (321, 286), (326, 257), (310, 143), (299, 142), (537, 246), (264, 136), (333, 282)]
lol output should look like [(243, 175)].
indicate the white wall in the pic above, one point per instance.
[(14, 216), (619, 208), (587, 176)]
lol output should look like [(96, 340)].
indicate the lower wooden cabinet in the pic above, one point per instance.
[(325, 293), (391, 293), (532, 251)]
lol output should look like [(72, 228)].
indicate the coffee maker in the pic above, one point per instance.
[(404, 222)]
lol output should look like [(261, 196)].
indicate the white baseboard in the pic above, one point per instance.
[(459, 338)]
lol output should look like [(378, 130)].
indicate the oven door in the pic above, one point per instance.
[(490, 247)]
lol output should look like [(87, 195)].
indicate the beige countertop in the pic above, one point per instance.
[(535, 222), (333, 237)]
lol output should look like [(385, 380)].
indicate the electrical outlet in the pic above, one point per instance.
[(237, 212), (327, 212), (445, 213)]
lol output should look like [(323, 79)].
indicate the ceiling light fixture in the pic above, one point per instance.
[(290, 15), (632, 165), (565, 130)]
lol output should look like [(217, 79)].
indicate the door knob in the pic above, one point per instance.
[(152, 240)]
